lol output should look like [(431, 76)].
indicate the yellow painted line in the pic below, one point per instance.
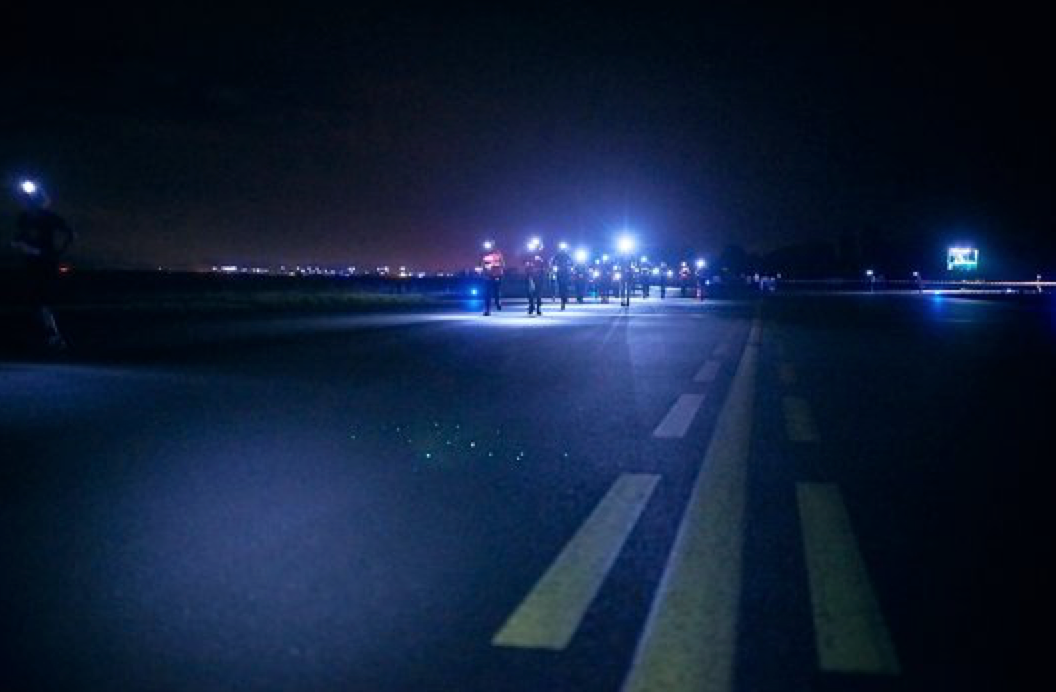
[(787, 373), (550, 614), (849, 628), (690, 638), (799, 421)]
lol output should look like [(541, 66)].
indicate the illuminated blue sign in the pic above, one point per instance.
[(962, 259)]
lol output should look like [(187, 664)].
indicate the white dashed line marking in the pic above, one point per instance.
[(680, 417)]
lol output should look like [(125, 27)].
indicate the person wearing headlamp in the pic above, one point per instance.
[(580, 274), (492, 266), (702, 278), (625, 245), (561, 266), (536, 270), (43, 237)]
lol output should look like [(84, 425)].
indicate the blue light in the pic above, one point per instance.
[(625, 244), (472, 291)]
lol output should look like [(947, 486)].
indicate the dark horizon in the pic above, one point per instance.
[(343, 136)]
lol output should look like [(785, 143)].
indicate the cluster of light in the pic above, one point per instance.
[(535, 244), (237, 269)]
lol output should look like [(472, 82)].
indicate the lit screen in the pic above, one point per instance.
[(962, 259)]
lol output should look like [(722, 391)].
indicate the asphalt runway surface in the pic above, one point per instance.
[(843, 492)]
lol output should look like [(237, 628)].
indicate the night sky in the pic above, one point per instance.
[(339, 135)]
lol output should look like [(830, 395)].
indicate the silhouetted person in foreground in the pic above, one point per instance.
[(43, 237)]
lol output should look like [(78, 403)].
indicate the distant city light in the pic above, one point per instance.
[(581, 256), (472, 291), (29, 187), (562, 245), (700, 264), (488, 244), (535, 244), (644, 259)]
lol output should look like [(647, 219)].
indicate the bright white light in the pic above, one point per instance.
[(644, 259), (625, 244), (473, 291), (562, 245), (594, 273), (534, 244), (581, 256), (670, 273), (656, 271), (488, 244), (604, 258), (700, 264), (617, 276), (29, 187), (868, 272)]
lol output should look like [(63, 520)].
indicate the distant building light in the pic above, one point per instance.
[(228, 268)]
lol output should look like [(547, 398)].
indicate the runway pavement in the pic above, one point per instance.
[(789, 493)]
